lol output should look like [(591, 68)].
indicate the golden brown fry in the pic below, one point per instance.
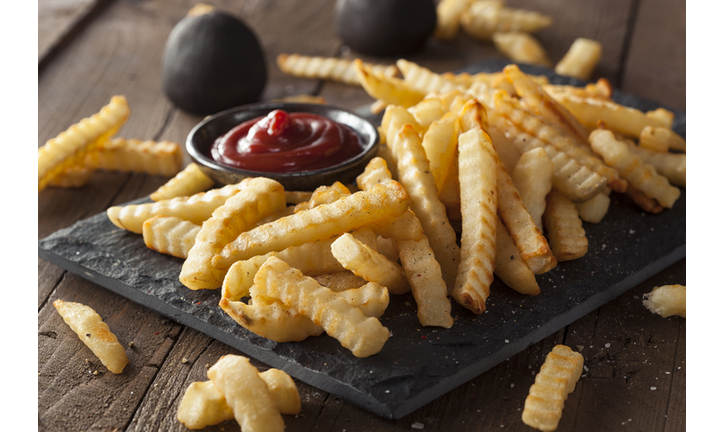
[(344, 215), (533, 177), (542, 103), (196, 208), (640, 175), (647, 204), (415, 176), (533, 246), (326, 68), (362, 335), (424, 80), (389, 89), (661, 139), (581, 59), (590, 111), (479, 201), (509, 266), (170, 235), (191, 180), (483, 18), (246, 394), (557, 378), (564, 228), (271, 320), (260, 197), (283, 390), (323, 195), (663, 116), (521, 48), (473, 115), (71, 146), (369, 264), (96, 334), (448, 18), (152, 157), (670, 165), (667, 300)]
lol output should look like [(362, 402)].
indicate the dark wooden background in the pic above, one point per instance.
[(89, 50)]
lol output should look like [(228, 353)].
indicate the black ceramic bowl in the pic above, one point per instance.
[(205, 133)]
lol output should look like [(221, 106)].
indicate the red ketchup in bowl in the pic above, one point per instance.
[(285, 142)]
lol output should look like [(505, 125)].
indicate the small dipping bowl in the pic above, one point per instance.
[(202, 137)]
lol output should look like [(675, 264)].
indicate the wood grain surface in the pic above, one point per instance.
[(635, 375)]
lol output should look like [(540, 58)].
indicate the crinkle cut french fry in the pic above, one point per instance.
[(362, 335), (260, 197), (152, 157), (670, 165), (392, 121), (424, 80), (427, 111), (326, 68), (667, 300), (595, 209), (325, 221), (541, 102), (581, 59), (647, 204), (375, 172), (530, 123), (271, 320), (661, 139), (389, 89), (533, 177), (640, 175), (170, 235), (574, 180), (191, 180), (564, 228), (448, 18), (246, 394), (479, 201), (313, 259), (96, 334), (71, 146), (473, 115), (415, 176), (203, 404), (533, 246), (521, 47), (369, 264), (425, 278), (509, 266), (323, 195), (404, 227), (440, 144), (663, 116), (483, 18), (589, 111), (557, 378), (196, 208)]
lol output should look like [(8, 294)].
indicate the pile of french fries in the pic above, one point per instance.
[(505, 162)]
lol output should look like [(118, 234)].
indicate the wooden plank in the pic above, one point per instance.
[(60, 20), (655, 65), (73, 386)]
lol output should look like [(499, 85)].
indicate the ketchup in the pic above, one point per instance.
[(285, 142)]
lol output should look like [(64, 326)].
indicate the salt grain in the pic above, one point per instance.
[(418, 425), (653, 388), (608, 345)]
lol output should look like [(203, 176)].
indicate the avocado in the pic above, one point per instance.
[(385, 27), (212, 62)]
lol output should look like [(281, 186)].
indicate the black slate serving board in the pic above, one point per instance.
[(417, 364)]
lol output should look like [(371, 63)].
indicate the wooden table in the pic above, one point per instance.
[(89, 50)]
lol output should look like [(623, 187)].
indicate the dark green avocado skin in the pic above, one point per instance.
[(385, 27), (212, 62)]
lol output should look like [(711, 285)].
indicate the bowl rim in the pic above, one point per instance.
[(259, 108)]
